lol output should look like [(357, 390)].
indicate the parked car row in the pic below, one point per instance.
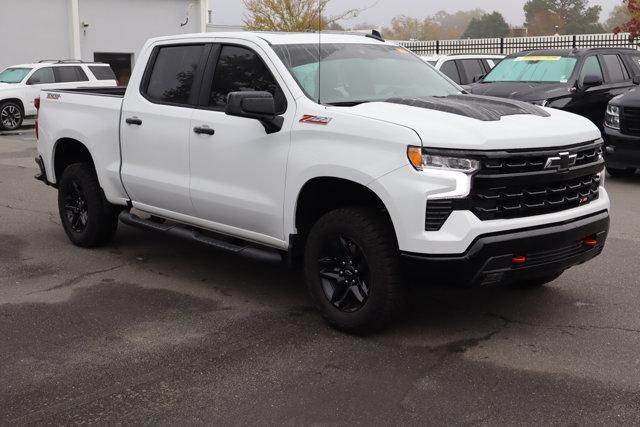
[(21, 84), (599, 84)]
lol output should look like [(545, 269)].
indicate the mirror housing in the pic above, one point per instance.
[(33, 81), (478, 77), (636, 79), (591, 80), (255, 105)]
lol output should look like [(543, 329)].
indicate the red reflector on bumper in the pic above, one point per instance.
[(590, 242), (518, 260)]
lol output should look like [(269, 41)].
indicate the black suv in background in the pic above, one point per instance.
[(622, 133), (581, 81)]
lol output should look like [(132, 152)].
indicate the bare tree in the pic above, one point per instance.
[(292, 15)]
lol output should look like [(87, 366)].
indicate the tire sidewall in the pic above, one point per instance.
[(380, 260), (85, 177), (6, 105)]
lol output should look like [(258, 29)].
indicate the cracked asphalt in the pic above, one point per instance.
[(161, 331)]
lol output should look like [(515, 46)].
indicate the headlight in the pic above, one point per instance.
[(612, 117), (423, 160)]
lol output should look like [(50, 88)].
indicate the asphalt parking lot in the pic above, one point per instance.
[(161, 331)]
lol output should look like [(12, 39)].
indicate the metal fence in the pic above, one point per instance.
[(510, 45)]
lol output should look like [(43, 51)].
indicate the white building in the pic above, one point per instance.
[(111, 31)]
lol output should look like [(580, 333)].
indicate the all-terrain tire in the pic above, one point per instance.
[(368, 234), (87, 217)]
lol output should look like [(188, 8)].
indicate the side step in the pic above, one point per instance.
[(213, 240)]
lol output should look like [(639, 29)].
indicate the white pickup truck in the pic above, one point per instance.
[(353, 159)]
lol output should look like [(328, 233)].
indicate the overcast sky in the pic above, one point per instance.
[(230, 12)]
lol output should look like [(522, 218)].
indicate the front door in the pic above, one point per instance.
[(155, 128), (238, 172)]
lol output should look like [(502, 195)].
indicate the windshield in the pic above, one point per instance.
[(548, 69), (14, 75), (351, 74)]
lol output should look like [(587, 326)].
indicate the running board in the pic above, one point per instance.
[(221, 242)]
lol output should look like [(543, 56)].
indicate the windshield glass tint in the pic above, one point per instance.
[(355, 73), (533, 69), (14, 75)]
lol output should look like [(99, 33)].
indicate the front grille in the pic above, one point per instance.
[(522, 201), (630, 120), (519, 184)]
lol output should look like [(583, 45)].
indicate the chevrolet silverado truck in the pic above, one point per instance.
[(351, 158)]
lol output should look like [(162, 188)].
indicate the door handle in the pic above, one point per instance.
[(204, 130), (133, 121)]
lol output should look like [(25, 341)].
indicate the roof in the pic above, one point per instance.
[(569, 52), (279, 38)]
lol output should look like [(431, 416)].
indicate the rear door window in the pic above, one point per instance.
[(450, 69), (616, 70), (102, 72), (472, 69), (173, 74), (42, 76), (68, 74)]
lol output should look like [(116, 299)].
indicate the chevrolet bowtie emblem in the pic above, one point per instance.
[(562, 162)]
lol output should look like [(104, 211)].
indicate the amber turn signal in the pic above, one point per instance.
[(415, 157)]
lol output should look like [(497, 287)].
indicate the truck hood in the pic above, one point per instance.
[(452, 130), (522, 91)]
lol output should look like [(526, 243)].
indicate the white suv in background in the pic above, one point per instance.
[(464, 69), (21, 84)]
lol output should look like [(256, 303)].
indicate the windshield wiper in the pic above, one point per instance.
[(347, 103)]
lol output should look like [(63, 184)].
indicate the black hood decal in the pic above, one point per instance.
[(477, 107)]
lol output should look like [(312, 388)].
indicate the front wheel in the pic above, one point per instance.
[(352, 270), (11, 116), (87, 217)]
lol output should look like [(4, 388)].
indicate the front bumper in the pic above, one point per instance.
[(489, 260), (621, 151)]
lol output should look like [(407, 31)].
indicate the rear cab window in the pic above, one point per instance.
[(102, 72)]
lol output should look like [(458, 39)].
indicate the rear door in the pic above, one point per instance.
[(155, 129), (238, 172)]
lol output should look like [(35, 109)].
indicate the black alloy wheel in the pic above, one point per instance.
[(344, 274)]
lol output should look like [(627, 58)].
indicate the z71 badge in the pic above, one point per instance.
[(315, 120)]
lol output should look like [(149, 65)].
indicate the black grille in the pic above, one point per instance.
[(519, 184), (630, 120), (438, 212), (521, 201)]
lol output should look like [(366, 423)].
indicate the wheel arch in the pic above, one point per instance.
[(16, 100), (67, 151), (322, 194)]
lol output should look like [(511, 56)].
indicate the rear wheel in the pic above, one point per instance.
[(621, 172), (11, 115), (87, 217), (352, 270)]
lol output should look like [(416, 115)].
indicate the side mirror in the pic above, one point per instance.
[(255, 105), (33, 81), (591, 80), (636, 79), (478, 77)]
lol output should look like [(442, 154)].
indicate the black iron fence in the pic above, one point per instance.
[(510, 45)]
